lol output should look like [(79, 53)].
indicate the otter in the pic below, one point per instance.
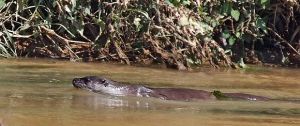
[(107, 86)]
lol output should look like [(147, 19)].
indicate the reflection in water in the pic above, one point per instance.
[(293, 112), (102, 101), (41, 94)]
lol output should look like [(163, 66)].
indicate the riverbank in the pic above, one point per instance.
[(178, 35)]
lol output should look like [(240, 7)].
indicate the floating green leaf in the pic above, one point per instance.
[(219, 95)]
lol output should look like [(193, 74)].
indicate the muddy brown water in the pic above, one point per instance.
[(39, 93)]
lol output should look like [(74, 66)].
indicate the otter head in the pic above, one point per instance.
[(92, 83)]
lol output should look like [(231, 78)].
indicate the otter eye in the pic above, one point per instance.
[(104, 83), (85, 80)]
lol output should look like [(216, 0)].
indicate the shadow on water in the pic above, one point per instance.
[(293, 112), (31, 67)]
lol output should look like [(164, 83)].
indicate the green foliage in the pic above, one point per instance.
[(66, 19), (238, 21), (137, 28)]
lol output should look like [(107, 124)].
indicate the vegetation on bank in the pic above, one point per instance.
[(176, 33)]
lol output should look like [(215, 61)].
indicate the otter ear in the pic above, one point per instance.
[(104, 83)]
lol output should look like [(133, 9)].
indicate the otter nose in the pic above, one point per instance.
[(76, 82)]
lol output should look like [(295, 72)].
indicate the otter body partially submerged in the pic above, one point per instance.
[(107, 86)]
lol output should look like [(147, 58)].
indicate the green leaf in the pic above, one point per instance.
[(200, 10), (225, 8), (260, 23), (264, 3), (73, 3), (24, 27), (87, 11), (235, 14), (190, 61), (238, 34), (226, 34), (168, 2), (186, 2), (241, 63), (2, 3), (231, 40), (137, 24), (67, 9)]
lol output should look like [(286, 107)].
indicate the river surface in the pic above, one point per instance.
[(40, 93)]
